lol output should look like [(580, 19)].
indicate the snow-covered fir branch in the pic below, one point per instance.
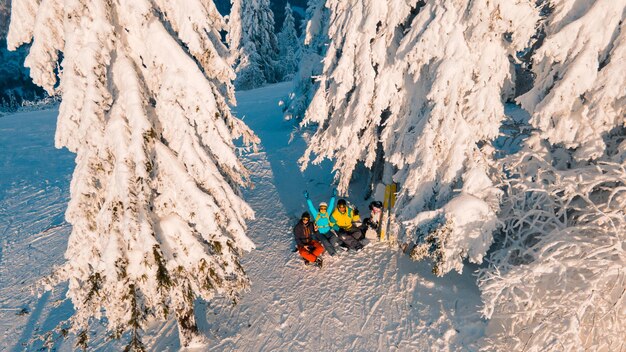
[(579, 69), (157, 218)]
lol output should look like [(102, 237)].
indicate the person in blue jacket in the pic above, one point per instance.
[(323, 224)]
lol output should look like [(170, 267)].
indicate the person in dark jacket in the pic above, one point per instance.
[(345, 219), (308, 247), (373, 222)]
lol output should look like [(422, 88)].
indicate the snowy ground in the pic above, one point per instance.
[(34, 190), (376, 299)]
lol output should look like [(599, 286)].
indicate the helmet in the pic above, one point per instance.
[(323, 204), (306, 215), (376, 204)]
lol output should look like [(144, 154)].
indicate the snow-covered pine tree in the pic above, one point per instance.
[(289, 46), (421, 85), (244, 56), (557, 280), (157, 218), (253, 44), (15, 85), (315, 40)]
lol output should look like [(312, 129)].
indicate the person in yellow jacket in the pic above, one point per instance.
[(344, 219)]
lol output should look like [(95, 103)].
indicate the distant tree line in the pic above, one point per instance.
[(15, 83)]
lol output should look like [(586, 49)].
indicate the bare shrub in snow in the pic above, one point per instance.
[(432, 241), (157, 219), (558, 279)]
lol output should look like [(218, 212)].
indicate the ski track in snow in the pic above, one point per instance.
[(373, 300), (34, 191)]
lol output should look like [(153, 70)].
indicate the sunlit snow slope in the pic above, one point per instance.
[(376, 299)]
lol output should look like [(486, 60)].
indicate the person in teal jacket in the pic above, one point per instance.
[(323, 224)]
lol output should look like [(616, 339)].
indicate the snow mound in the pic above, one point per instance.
[(461, 229)]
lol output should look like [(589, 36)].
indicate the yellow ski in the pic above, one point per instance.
[(388, 203), (383, 220), (392, 202)]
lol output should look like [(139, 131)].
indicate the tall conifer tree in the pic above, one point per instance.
[(289, 46), (156, 213), (253, 44)]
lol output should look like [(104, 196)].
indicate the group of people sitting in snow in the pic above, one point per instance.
[(332, 227)]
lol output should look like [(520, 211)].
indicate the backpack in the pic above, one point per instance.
[(319, 216), (324, 216), (351, 208)]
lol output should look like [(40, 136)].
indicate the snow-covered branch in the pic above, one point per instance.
[(579, 93)]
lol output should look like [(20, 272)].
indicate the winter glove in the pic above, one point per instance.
[(306, 194), (334, 192)]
